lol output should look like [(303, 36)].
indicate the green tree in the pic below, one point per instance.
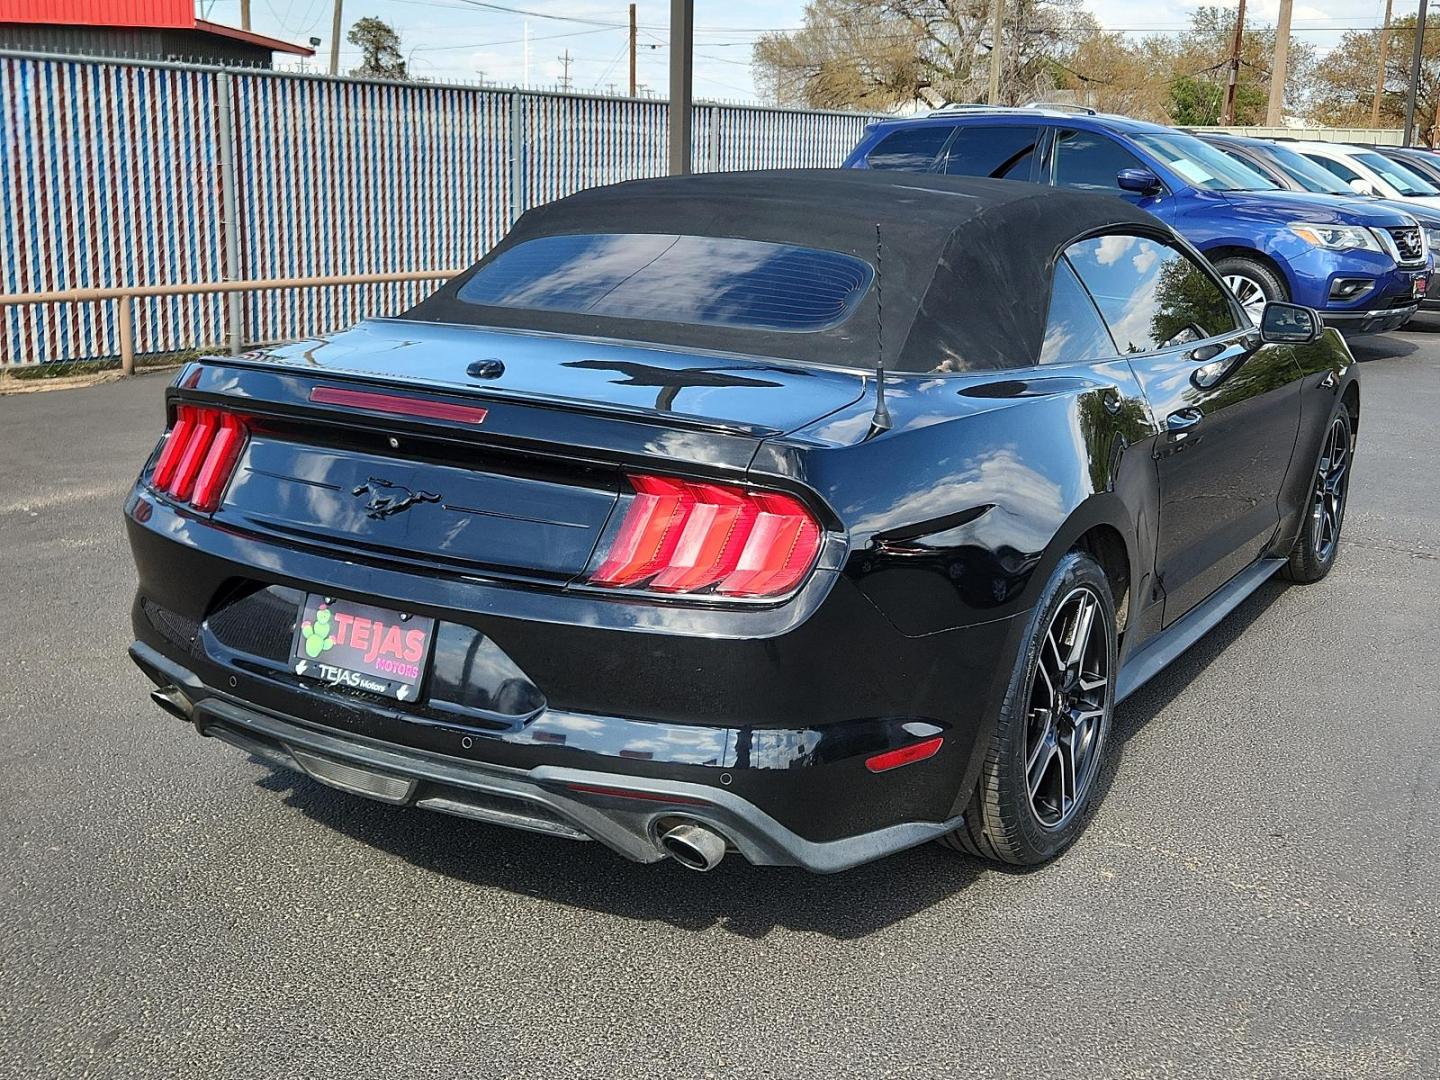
[(1181, 79), (1195, 101), (379, 44), (1345, 78)]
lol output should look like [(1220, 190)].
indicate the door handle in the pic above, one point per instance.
[(1214, 366), (1183, 420)]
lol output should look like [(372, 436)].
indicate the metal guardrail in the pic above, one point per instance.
[(125, 295)]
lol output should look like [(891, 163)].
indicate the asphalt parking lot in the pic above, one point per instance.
[(1256, 897)]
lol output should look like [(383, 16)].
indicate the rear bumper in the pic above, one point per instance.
[(627, 813)]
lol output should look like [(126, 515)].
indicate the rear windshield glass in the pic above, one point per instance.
[(705, 280), (1397, 175), (1203, 165), (1305, 172)]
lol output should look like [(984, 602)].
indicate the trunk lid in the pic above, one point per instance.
[(714, 389), (527, 485)]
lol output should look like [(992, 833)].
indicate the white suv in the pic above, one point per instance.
[(1369, 173)]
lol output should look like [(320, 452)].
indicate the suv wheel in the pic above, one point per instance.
[(1043, 764), (1252, 282)]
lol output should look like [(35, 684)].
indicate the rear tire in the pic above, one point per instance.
[(1253, 283), (1318, 544), (1042, 767)]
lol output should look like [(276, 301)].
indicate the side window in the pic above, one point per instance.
[(1001, 151), (911, 149), (1074, 331), (1089, 161), (1152, 296), (1340, 169)]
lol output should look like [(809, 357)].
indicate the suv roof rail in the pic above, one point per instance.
[(1060, 106), (965, 106)]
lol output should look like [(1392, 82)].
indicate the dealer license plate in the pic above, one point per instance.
[(1421, 283), (361, 647)]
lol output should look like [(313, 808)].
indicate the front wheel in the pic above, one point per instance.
[(1253, 283), (1319, 541), (1043, 764)]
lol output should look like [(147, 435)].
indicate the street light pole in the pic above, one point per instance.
[(1275, 113), (1380, 68), (997, 46), (1415, 58), (335, 27), (1227, 117), (682, 83)]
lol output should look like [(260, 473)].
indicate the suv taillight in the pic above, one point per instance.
[(199, 455), (683, 536)]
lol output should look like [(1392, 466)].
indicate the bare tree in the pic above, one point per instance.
[(881, 53)]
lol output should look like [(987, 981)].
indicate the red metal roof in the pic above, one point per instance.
[(169, 14), (273, 44)]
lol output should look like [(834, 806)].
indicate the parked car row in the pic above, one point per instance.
[(1346, 230)]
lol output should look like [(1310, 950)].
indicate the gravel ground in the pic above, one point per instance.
[(1256, 896)]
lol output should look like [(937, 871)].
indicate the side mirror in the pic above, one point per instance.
[(1289, 324), (1140, 181), (1362, 187)]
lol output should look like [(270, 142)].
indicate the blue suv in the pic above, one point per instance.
[(1362, 265)]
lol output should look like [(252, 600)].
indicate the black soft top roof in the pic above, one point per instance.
[(965, 263)]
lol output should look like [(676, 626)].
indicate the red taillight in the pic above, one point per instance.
[(906, 755), (682, 536), (199, 456)]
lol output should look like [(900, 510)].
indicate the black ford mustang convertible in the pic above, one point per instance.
[(808, 515)]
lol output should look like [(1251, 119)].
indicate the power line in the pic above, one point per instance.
[(511, 41)]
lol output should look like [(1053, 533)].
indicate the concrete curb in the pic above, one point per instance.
[(9, 384)]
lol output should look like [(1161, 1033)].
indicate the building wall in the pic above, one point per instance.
[(143, 43)]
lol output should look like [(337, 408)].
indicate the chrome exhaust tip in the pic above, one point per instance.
[(173, 701), (694, 846)]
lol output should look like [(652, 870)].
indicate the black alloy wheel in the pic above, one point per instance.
[(1319, 541), (1068, 695), (1043, 766)]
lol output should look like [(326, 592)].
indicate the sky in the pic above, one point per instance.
[(467, 41)]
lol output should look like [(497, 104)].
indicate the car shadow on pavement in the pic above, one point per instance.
[(747, 900), (743, 899), (1382, 347), (1145, 704)]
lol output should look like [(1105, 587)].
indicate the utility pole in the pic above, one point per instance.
[(1380, 70), (1275, 113), (1415, 58), (565, 69), (335, 28), (632, 50), (244, 14), (1227, 115), (997, 18), (682, 83)]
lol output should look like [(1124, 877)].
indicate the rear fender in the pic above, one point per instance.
[(958, 513)]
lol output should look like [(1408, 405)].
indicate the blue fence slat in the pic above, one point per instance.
[(109, 175)]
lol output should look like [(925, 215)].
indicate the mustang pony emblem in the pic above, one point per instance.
[(387, 498)]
